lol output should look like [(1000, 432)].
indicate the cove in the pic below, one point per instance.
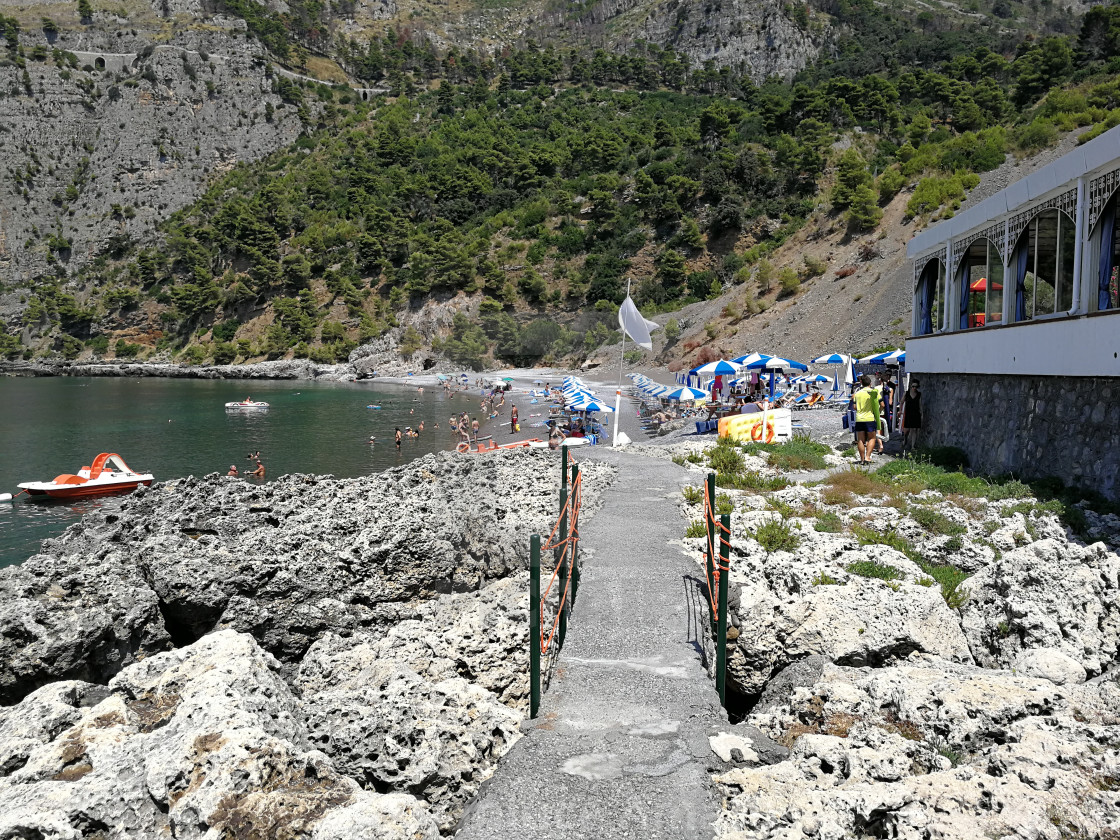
[(178, 427)]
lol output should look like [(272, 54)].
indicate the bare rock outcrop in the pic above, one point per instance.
[(287, 562), (930, 748), (204, 739)]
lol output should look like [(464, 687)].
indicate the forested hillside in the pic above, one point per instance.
[(533, 184)]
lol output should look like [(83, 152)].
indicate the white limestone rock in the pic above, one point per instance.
[(1049, 594), (1049, 664), (873, 754), (431, 706), (864, 622), (206, 738)]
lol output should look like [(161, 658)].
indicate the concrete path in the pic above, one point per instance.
[(620, 748)]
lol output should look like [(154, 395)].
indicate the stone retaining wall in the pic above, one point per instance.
[(1031, 426)]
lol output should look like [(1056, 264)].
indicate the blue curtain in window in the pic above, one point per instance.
[(1021, 282), (925, 324), (1108, 225), (966, 272)]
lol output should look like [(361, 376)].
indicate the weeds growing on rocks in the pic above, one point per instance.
[(871, 569), (829, 523), (948, 576), (724, 505), (777, 535), (935, 522), (801, 453), (692, 495), (695, 529), (752, 481)]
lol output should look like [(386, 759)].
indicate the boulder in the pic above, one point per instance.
[(1049, 594), (431, 706), (930, 748), (866, 622), (1049, 664), (204, 740)]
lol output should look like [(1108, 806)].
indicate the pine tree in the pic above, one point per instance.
[(864, 212), (851, 173)]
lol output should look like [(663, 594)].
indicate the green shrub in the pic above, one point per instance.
[(695, 529), (801, 453), (824, 579), (871, 569), (751, 481), (726, 458), (125, 350), (935, 522), (829, 523), (693, 495), (724, 505), (777, 535)]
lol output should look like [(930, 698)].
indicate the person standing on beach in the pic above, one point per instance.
[(474, 429), (513, 420), (867, 418), (911, 417)]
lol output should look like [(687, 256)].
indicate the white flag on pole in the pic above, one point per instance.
[(634, 325)]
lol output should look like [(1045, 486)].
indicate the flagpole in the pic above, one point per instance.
[(618, 391)]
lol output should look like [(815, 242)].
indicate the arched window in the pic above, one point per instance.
[(981, 280), (931, 298), (1043, 266), (1107, 264)]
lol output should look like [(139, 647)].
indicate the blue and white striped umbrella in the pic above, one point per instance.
[(589, 404), (831, 359), (720, 367), (777, 363), (895, 357), (750, 359), (812, 378), (684, 394)]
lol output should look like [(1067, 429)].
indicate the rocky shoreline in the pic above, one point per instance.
[(279, 369), (984, 703), (308, 658)]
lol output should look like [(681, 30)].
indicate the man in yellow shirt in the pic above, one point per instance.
[(867, 418)]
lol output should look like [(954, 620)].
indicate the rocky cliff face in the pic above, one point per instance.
[(759, 37), (99, 148)]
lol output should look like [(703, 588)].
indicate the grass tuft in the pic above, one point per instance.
[(829, 523), (871, 569), (801, 453), (693, 495), (695, 529), (935, 522)]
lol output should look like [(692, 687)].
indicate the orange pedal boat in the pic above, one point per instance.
[(108, 474)]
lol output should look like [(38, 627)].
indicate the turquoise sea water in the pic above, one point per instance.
[(174, 427)]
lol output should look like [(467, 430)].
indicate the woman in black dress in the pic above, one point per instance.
[(911, 417)]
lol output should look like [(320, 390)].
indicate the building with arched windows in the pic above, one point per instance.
[(1016, 323)]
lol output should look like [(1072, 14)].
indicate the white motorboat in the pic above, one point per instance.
[(247, 405)]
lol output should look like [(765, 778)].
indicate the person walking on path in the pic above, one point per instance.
[(867, 418), (911, 417), (513, 420)]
